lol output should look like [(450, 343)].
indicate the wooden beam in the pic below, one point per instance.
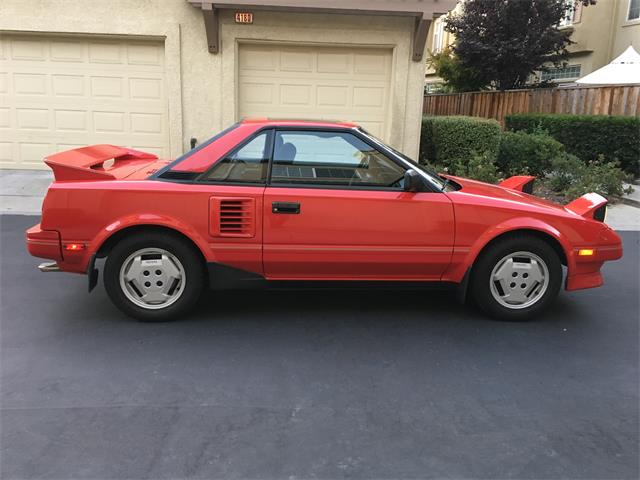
[(211, 26), (414, 8), (420, 38)]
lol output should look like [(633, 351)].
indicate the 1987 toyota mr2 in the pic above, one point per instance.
[(268, 201)]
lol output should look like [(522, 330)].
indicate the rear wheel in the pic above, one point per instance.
[(516, 278), (154, 277)]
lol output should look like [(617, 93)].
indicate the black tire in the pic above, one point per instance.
[(481, 274), (184, 251)]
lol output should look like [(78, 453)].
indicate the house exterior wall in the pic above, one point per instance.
[(627, 32), (201, 88)]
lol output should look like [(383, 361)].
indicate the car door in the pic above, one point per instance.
[(335, 208)]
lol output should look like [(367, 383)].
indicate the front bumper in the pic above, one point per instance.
[(584, 271)]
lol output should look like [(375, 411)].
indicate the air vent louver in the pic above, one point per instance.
[(233, 217)]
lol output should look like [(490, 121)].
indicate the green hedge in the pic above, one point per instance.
[(451, 141), (524, 153), (588, 136)]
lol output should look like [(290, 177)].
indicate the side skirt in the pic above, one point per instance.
[(224, 277)]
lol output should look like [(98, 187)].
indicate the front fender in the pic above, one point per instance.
[(464, 258)]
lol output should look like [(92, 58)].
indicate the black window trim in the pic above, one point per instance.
[(355, 132), (201, 178)]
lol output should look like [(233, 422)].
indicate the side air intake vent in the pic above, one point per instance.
[(232, 217)]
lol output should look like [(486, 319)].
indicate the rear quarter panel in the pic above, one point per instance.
[(91, 212)]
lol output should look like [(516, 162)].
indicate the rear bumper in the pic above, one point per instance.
[(44, 243), (48, 244), (585, 269)]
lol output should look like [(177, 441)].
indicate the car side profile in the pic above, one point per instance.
[(276, 201)]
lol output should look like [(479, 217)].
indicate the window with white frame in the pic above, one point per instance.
[(438, 35), (430, 88), (634, 10), (561, 73), (567, 19)]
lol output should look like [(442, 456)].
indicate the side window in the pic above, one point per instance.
[(247, 164), (331, 159)]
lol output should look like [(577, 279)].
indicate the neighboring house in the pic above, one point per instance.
[(601, 32), (152, 75)]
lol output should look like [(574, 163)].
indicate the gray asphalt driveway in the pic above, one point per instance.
[(330, 384)]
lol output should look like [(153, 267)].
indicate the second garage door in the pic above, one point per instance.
[(312, 82), (58, 93)]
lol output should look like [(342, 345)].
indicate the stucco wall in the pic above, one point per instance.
[(592, 35), (201, 86), (627, 32)]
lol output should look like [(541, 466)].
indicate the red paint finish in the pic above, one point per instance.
[(43, 243), (517, 182), (587, 204), (87, 163), (339, 233), (357, 234)]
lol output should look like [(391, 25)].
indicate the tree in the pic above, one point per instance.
[(456, 77), (507, 40)]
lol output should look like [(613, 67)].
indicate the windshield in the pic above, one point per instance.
[(440, 182)]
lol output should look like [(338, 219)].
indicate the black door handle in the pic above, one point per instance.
[(285, 207)]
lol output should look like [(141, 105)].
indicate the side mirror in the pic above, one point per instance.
[(412, 181)]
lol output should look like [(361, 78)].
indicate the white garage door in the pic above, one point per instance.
[(311, 82), (58, 93)]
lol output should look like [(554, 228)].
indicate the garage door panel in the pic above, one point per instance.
[(337, 83), (255, 59), (5, 118), (71, 120), (27, 50), (145, 54), (6, 152), (62, 51), (295, 61), (333, 63), (145, 89), (332, 95), (58, 93), (371, 64), (32, 153), (68, 85)]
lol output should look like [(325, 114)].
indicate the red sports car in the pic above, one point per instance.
[(274, 201)]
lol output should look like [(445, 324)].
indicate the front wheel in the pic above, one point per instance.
[(154, 277), (516, 278)]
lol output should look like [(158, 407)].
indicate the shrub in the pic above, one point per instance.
[(527, 154), (565, 170), (572, 177), (449, 141), (616, 138), (479, 167)]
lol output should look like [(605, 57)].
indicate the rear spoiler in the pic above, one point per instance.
[(86, 163), (590, 205), (521, 183)]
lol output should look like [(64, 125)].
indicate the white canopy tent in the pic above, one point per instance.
[(624, 70)]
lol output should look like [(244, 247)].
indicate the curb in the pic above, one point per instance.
[(629, 201)]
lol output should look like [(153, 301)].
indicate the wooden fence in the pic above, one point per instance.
[(621, 100)]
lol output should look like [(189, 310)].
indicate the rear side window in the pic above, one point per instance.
[(331, 159), (246, 164)]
